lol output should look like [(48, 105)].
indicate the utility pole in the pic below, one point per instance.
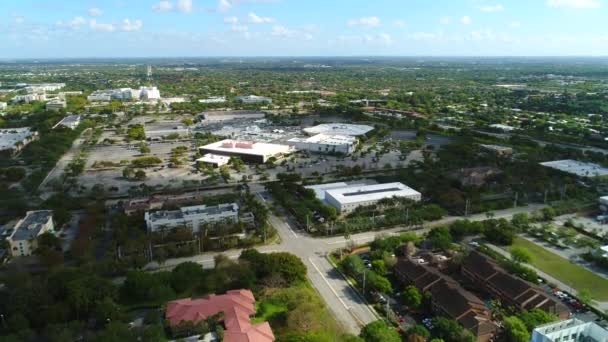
[(466, 208), (546, 193), (364, 282), (407, 216), (515, 201)]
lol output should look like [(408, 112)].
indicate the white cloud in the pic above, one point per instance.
[(281, 31), (224, 5), (19, 19), (231, 20), (365, 22), (73, 24), (445, 20), (576, 4), (239, 28), (492, 8), (399, 24), (184, 6), (515, 24), (131, 26), (101, 27), (466, 20), (255, 19), (163, 6), (95, 12)]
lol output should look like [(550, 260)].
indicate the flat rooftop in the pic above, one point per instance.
[(69, 120), (9, 137), (183, 212), (578, 168), (32, 223), (247, 147), (339, 129), (326, 139), (214, 159), (376, 192)]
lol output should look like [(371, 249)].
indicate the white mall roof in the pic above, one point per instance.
[(339, 129), (251, 148), (578, 168), (376, 192), (327, 139)]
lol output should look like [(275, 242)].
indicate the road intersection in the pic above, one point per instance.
[(349, 308)]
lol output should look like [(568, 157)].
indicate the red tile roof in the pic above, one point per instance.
[(236, 305)]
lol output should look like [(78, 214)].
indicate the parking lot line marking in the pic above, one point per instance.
[(327, 282)]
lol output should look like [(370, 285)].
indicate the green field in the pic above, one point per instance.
[(565, 271)]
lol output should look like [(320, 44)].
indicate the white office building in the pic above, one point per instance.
[(327, 144), (70, 121), (44, 87), (23, 240), (29, 98), (214, 160), (3, 105), (248, 151), (348, 197), (339, 129), (571, 330), (213, 99), (56, 104), (253, 99), (149, 93), (192, 217)]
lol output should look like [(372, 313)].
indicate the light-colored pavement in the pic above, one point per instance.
[(344, 302), (65, 160)]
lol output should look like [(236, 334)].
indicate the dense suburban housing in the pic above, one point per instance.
[(511, 290), (348, 197), (192, 217), (237, 306), (23, 240), (449, 299)]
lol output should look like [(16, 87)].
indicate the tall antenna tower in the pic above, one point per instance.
[(149, 74)]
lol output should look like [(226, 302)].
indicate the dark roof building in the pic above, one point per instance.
[(510, 289), (448, 297)]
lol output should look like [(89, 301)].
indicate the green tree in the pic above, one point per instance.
[(536, 317), (412, 297), (440, 237), (520, 255), (128, 173), (418, 330), (140, 175), (516, 330), (378, 331)]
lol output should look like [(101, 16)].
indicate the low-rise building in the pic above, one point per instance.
[(511, 290), (213, 99), (3, 105), (23, 241), (501, 127), (339, 129), (13, 140), (571, 330), (502, 151), (192, 217), (56, 104), (125, 94), (236, 307), (253, 99), (577, 168), (322, 143), (347, 198), (29, 98), (213, 160), (248, 151), (70, 121), (448, 298), (44, 87)]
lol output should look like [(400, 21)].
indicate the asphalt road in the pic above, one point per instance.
[(344, 302)]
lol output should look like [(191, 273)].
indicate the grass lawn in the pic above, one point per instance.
[(567, 272), (266, 310)]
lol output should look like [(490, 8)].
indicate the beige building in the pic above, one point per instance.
[(23, 240)]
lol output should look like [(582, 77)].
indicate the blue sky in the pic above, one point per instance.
[(160, 28)]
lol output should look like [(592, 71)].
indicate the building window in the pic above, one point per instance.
[(573, 336)]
